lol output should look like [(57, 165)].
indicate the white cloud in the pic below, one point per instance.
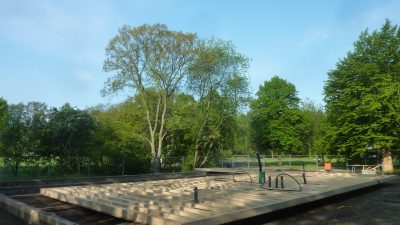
[(313, 35)]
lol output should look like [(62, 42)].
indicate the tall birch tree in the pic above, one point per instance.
[(145, 60)]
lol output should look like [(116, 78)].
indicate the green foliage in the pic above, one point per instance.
[(226, 154), (21, 134), (180, 125), (312, 135), (242, 135), (3, 120), (3, 114), (363, 95), (218, 81), (276, 119), (68, 135), (119, 135)]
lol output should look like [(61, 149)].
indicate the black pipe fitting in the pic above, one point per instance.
[(196, 194), (259, 161)]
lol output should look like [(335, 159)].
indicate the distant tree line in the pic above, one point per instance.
[(190, 98)]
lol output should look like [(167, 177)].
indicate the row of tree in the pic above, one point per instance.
[(32, 130), (70, 138), (362, 113), (189, 98)]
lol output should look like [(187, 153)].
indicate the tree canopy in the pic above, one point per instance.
[(276, 120), (362, 95), (218, 79)]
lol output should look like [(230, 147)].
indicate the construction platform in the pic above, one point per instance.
[(210, 199)]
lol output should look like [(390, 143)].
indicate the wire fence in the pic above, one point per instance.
[(52, 168), (41, 168), (315, 162), (287, 161)]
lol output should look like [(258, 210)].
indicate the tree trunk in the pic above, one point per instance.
[(78, 166), (161, 132), (387, 164), (155, 164), (16, 168)]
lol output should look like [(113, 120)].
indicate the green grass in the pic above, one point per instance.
[(286, 162)]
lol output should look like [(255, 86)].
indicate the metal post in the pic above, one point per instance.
[(282, 186), (196, 194), (276, 182), (269, 181), (259, 162), (304, 178)]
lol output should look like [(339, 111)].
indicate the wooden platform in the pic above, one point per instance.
[(221, 199)]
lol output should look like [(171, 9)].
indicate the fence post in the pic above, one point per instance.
[(123, 166), (290, 160), (182, 161), (89, 166)]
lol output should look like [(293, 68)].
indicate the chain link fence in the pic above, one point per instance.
[(286, 161), (315, 162), (52, 168)]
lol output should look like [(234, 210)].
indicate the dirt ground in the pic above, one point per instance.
[(368, 207)]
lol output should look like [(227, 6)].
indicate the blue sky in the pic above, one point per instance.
[(53, 51)]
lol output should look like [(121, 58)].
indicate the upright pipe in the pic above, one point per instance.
[(259, 161), (261, 174), (196, 194)]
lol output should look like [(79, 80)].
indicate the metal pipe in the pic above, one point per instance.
[(196, 194), (259, 161)]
